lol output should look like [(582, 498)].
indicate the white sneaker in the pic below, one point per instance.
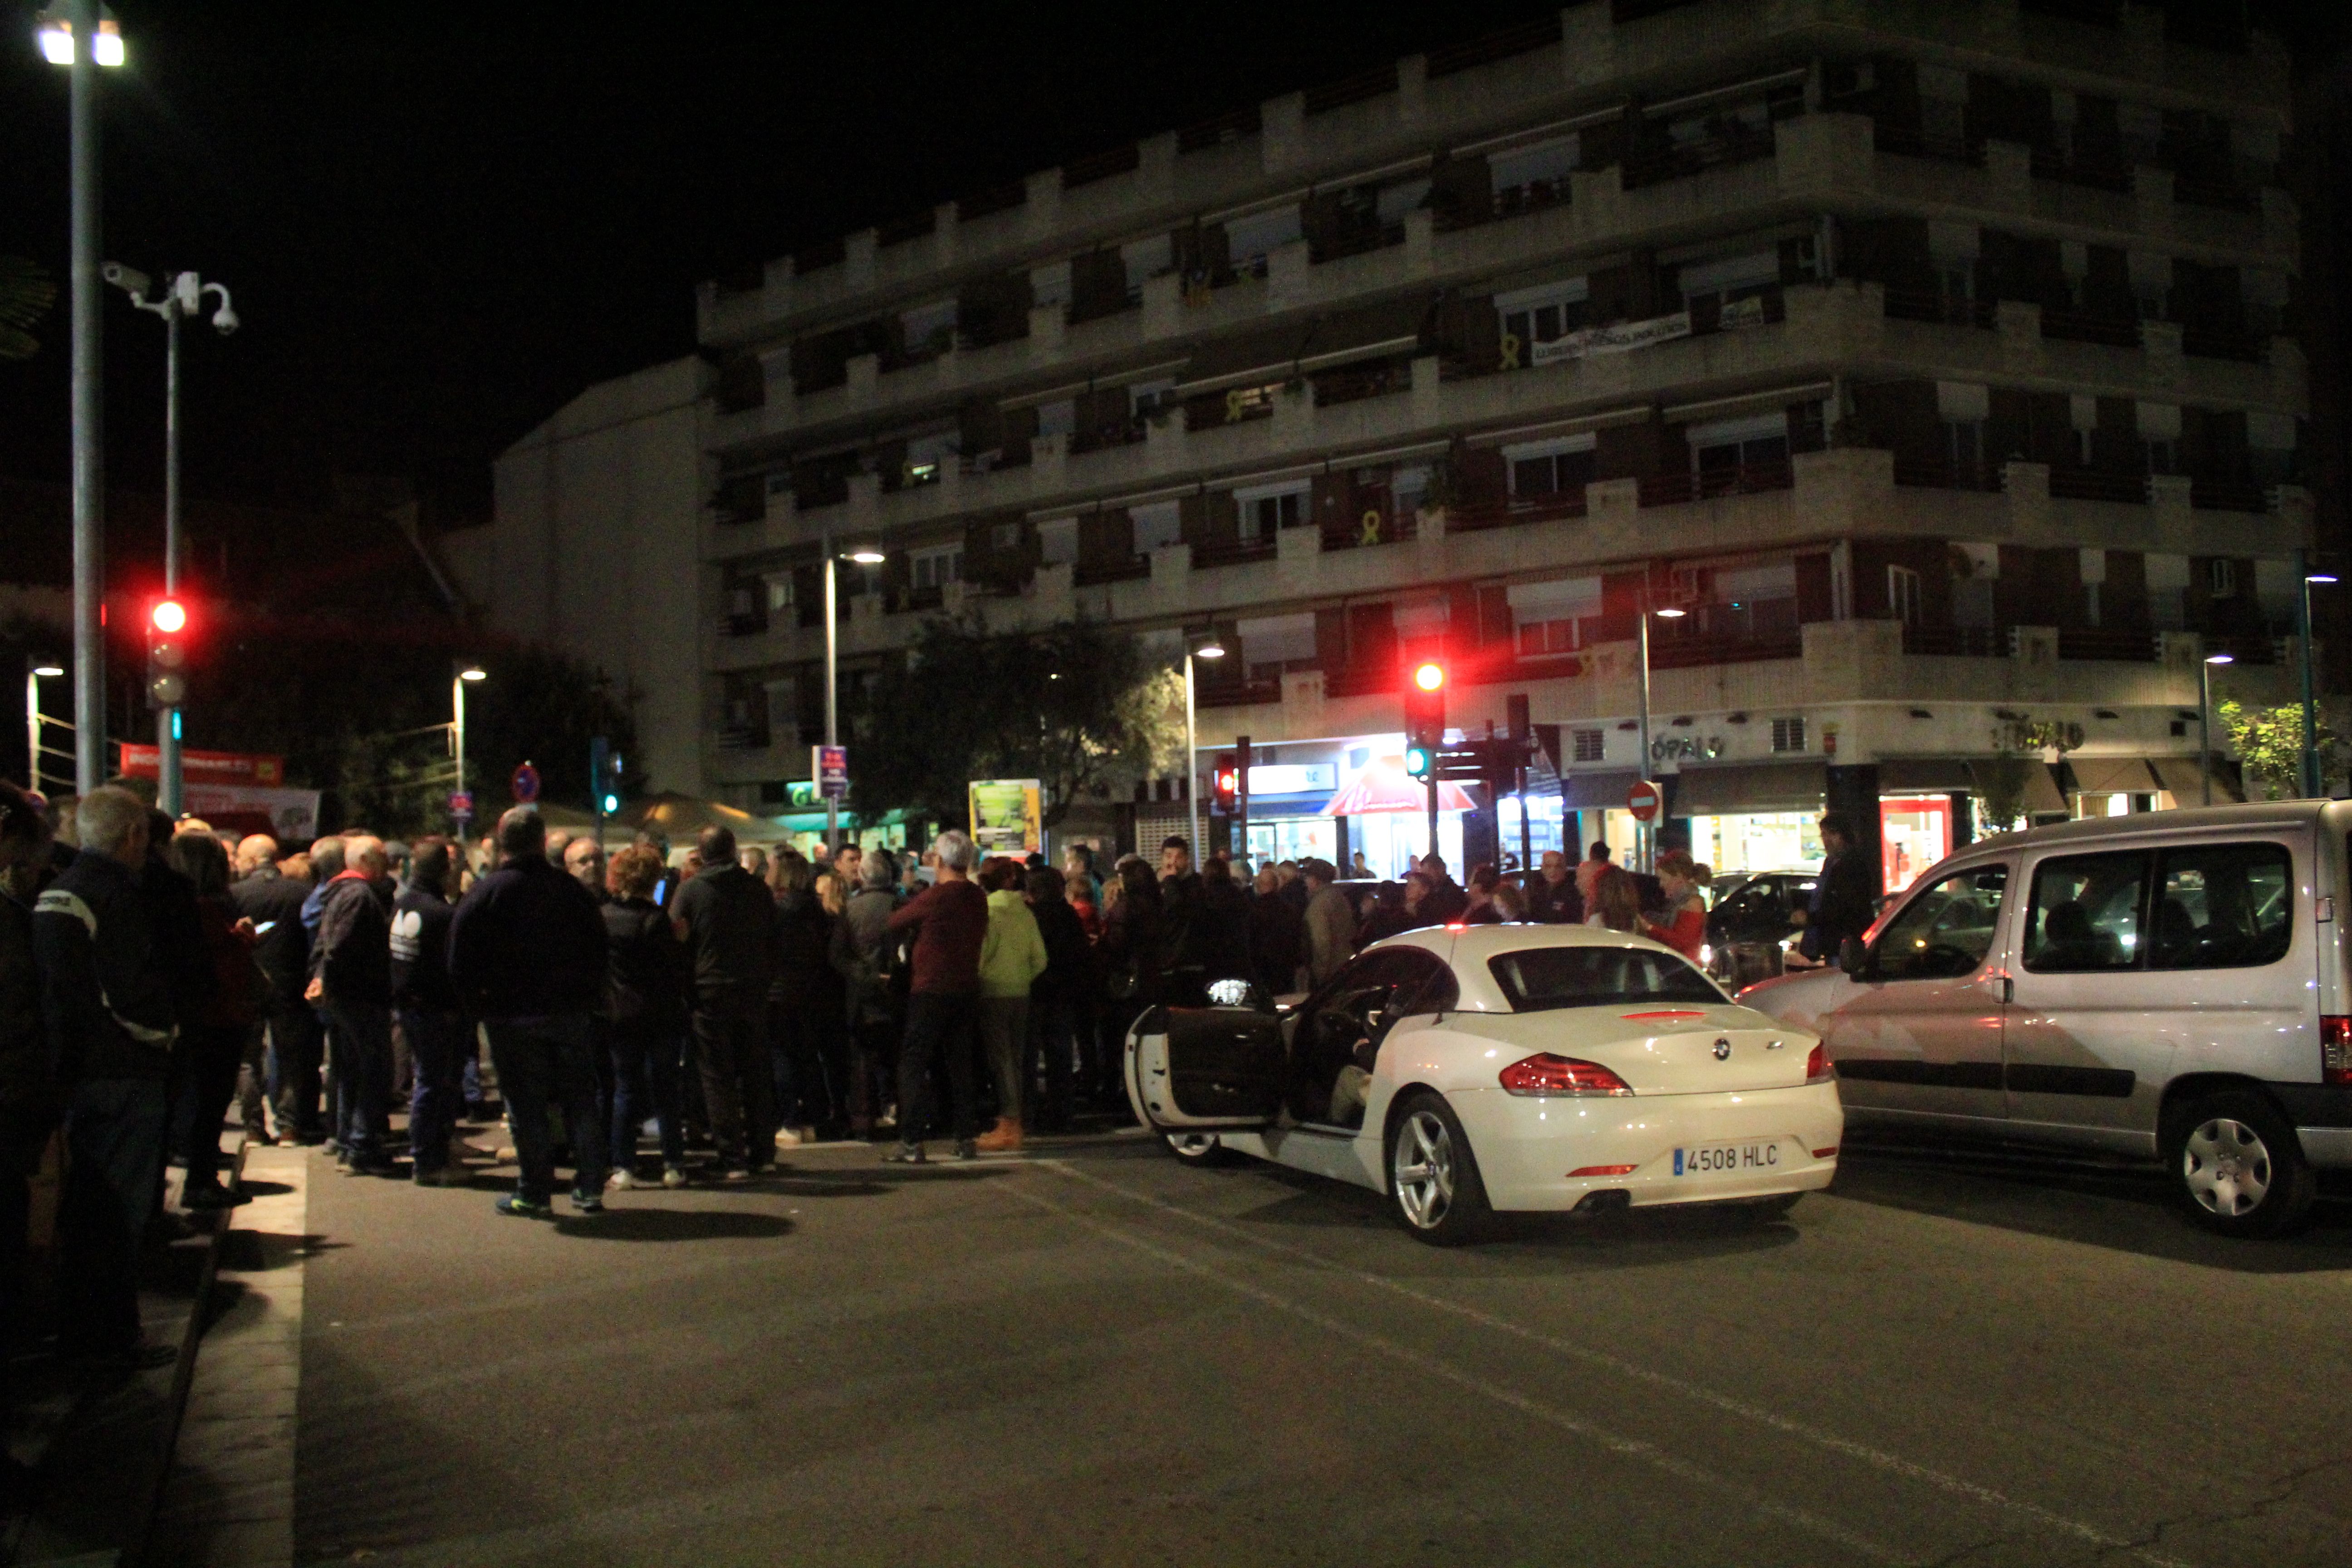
[(622, 1181), (787, 1137), (673, 1175)]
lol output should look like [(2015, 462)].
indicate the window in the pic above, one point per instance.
[(1057, 418), (1788, 734), (1587, 746), (938, 568), (1264, 511), (2222, 906), (1903, 595), (1546, 163), (2222, 577), (1945, 932), (1539, 315), (1049, 284), (1004, 536), (1561, 466), (1247, 240), (1541, 639), (1058, 542), (1156, 526), (1539, 979), (2085, 913), (1726, 446), (779, 591)]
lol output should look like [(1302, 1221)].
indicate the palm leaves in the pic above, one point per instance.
[(26, 292)]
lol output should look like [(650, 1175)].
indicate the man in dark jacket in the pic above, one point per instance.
[(285, 1043), (425, 1002), (106, 1004), (1055, 995), (1552, 898), (727, 920), (949, 921), (30, 1101), (527, 956), (1278, 937), (351, 975), (1843, 896)]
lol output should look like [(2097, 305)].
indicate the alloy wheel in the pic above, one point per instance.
[(2227, 1167), (1191, 1145), (1423, 1170)]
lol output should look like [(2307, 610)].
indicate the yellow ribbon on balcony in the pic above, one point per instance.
[(1369, 531), (1510, 351)]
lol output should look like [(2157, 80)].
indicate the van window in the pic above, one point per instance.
[(1945, 932), (2085, 913), (2222, 906)]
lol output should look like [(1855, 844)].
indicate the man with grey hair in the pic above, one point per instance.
[(949, 921), (107, 1003), (350, 974)]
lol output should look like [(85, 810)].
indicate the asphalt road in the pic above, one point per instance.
[(1095, 1356)]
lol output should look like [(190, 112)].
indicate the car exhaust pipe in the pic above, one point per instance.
[(1607, 1201)]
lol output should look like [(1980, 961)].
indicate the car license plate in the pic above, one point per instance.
[(1727, 1159)]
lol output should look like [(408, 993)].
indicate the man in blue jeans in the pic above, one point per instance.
[(527, 955), (350, 973), (426, 1003)]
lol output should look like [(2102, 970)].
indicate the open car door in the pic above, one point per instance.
[(1207, 1067)]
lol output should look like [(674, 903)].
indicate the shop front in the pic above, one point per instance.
[(1335, 799), (1752, 816)]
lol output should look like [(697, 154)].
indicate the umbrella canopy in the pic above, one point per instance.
[(1385, 786), (681, 817)]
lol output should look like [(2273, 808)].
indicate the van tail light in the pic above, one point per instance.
[(2336, 1048), (1545, 1074), (1817, 1066)]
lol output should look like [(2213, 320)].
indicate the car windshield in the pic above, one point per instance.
[(1536, 979)]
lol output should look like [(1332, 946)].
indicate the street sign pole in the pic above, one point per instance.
[(1241, 799)]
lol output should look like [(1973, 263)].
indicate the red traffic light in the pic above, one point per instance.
[(169, 616), (1429, 676)]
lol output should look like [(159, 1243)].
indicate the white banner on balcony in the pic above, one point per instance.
[(1622, 338)]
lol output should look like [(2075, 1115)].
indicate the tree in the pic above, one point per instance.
[(26, 292), (2269, 744), (2002, 782), (1077, 706)]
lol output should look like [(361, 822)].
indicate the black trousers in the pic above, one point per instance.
[(731, 1043), (940, 1027)]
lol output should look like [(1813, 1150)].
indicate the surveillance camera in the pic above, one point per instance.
[(130, 279), (225, 321)]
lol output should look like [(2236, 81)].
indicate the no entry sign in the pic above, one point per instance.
[(525, 784), (1643, 800)]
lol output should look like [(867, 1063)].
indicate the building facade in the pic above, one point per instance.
[(1934, 361)]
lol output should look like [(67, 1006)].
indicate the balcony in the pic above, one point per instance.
[(1680, 488)]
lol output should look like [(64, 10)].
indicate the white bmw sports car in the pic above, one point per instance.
[(1468, 1070)]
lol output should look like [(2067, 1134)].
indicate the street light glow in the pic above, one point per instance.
[(48, 671), (867, 557), (1211, 649), (473, 672), (2319, 577), (57, 39), (2220, 659), (1670, 614)]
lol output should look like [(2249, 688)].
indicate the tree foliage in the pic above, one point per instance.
[(26, 292), (2269, 744), (1078, 708)]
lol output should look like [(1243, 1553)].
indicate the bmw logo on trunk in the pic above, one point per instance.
[(1722, 1050)]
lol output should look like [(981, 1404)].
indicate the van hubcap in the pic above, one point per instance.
[(2227, 1166), (1423, 1169)]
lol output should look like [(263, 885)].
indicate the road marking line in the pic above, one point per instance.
[(1630, 1448), (1877, 1459)]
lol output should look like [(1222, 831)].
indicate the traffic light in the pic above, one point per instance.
[(167, 654), (1225, 784), (1424, 715), (604, 777)]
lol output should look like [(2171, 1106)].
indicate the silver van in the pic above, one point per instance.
[(2168, 984)]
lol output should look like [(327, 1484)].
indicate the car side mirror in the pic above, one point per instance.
[(1854, 958)]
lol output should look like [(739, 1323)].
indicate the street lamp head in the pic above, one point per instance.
[(2319, 577), (47, 671), (225, 319), (2220, 659), (1670, 612), (473, 672), (1209, 647), (867, 557), (55, 29)]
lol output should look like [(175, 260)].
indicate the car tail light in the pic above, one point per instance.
[(1818, 1068), (1602, 1171), (1545, 1073), (2335, 1049), (1828, 1154)]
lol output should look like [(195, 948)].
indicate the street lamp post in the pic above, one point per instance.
[(457, 730), (863, 556), (1205, 646), (64, 28), (35, 671), (2314, 784), (2205, 719), (184, 294), (1643, 840)]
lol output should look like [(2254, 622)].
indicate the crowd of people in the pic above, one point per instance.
[(157, 980)]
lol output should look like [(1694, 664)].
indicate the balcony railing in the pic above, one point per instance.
[(2048, 163), (1501, 46), (1921, 144), (1684, 653), (1356, 242), (1945, 475), (1094, 572), (2247, 649), (2094, 484), (1237, 693), (1706, 484), (2071, 326), (2227, 495), (1963, 642), (1657, 165), (1476, 517), (2117, 644), (1353, 384), (1468, 209), (1234, 553), (2207, 343), (1919, 305), (2225, 194)]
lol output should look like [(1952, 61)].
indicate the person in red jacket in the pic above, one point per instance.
[(1685, 929), (948, 922)]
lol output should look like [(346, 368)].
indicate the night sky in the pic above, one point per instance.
[(441, 221)]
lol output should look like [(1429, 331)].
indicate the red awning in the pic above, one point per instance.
[(1385, 786)]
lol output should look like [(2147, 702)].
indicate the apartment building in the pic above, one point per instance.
[(1935, 361)]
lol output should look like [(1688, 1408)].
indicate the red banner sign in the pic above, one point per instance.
[(206, 767)]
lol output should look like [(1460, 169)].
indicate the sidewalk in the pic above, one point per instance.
[(100, 1447)]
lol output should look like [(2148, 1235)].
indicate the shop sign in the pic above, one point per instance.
[(1685, 748), (2037, 736)]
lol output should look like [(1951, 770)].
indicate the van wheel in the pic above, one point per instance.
[(1434, 1189), (2240, 1168)]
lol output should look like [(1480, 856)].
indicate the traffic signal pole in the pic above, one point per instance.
[(170, 792)]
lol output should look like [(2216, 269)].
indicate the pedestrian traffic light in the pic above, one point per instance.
[(167, 654), (1419, 761), (604, 777), (1225, 784)]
